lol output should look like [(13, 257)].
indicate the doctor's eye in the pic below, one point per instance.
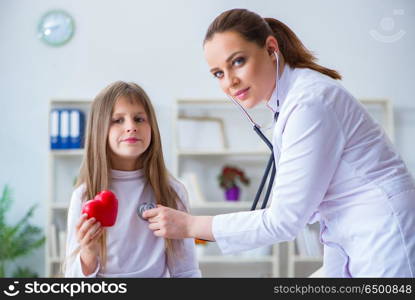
[(218, 74), (238, 61)]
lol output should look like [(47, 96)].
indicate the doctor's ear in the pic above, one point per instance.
[(271, 44), (271, 52)]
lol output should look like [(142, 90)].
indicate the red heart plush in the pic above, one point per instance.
[(104, 208)]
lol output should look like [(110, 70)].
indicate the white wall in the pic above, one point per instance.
[(158, 45)]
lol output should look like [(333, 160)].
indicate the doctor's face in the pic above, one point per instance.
[(244, 70)]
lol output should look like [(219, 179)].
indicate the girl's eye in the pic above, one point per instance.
[(117, 121), (139, 119), (238, 61), (218, 74)]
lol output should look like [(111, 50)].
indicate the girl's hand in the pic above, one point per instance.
[(168, 223), (88, 232)]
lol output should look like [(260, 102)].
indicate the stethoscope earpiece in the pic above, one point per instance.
[(143, 207)]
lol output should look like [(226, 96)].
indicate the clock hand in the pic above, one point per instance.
[(52, 27)]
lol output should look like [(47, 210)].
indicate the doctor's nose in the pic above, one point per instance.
[(232, 81)]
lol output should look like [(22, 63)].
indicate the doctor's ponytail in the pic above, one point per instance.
[(256, 29)]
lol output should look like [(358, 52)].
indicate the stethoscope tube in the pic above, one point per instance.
[(271, 161), (270, 164), (263, 137), (261, 185)]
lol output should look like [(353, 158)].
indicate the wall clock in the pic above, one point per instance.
[(56, 28)]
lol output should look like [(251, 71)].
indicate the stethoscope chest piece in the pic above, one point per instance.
[(143, 207)]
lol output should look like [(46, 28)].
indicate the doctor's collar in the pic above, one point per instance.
[(282, 85)]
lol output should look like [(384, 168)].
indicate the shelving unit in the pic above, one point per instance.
[(236, 144), (63, 167), (302, 265), (382, 111)]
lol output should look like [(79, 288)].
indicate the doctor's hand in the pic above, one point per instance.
[(175, 224), (168, 222)]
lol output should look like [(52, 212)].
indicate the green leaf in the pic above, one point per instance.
[(5, 203), (19, 239), (24, 272)]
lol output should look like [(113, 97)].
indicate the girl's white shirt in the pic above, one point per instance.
[(334, 165), (132, 248)]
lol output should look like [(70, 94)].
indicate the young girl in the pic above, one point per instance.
[(123, 153)]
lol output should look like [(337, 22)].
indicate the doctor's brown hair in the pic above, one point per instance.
[(256, 29), (95, 172)]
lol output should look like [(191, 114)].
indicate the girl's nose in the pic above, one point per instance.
[(131, 130)]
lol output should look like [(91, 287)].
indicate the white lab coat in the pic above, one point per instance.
[(337, 166)]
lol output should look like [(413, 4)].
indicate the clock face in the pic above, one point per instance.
[(56, 28)]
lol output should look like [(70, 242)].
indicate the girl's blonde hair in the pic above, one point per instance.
[(95, 172)]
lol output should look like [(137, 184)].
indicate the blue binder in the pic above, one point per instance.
[(76, 129), (55, 142), (67, 129), (64, 129)]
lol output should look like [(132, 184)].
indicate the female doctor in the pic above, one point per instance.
[(334, 163)]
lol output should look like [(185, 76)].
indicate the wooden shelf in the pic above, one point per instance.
[(59, 206), (55, 260), (67, 152), (298, 258), (235, 259), (223, 153), (220, 207)]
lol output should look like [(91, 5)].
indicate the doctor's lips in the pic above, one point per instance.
[(242, 94)]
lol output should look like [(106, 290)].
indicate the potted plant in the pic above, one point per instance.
[(17, 240), (228, 179)]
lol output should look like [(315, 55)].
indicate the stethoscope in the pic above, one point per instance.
[(271, 162), (270, 165)]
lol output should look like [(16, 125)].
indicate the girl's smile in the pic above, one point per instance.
[(131, 140)]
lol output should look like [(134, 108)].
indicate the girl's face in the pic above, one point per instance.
[(129, 134), (245, 71)]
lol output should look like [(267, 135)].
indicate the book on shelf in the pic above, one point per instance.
[(76, 131), (67, 128), (54, 129)]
